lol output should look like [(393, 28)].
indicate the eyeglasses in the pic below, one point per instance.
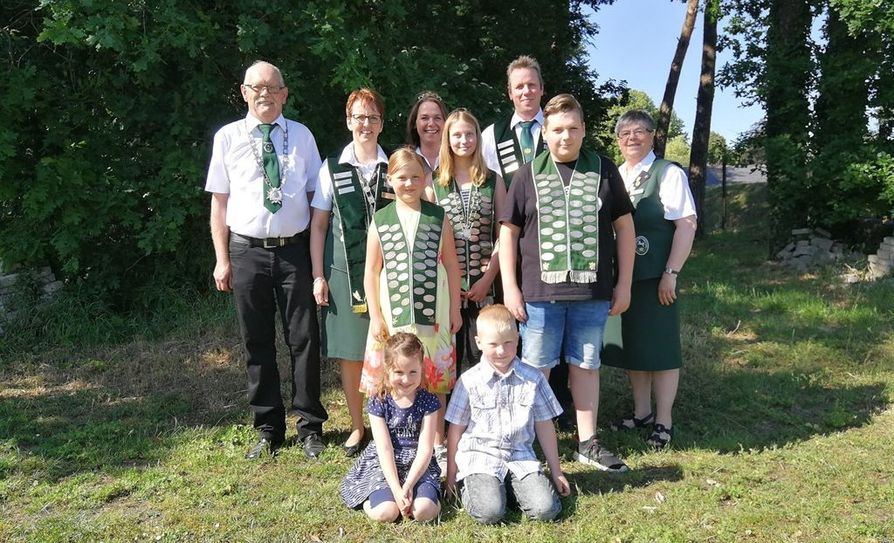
[(271, 89), (639, 132), (373, 119)]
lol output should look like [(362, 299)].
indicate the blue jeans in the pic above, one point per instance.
[(484, 496), (573, 328)]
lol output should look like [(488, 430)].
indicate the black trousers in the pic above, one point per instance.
[(264, 280), (467, 352)]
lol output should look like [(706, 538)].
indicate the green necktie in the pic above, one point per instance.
[(527, 140), (272, 192)]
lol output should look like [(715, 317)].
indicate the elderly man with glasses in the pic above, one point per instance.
[(262, 177)]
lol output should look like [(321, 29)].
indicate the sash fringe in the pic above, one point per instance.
[(554, 277), (583, 276)]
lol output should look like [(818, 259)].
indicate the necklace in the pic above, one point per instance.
[(570, 179), (370, 187), (368, 175), (274, 194), (471, 214)]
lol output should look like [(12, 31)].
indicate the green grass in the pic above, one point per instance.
[(133, 429)]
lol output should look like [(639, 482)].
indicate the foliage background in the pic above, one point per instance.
[(110, 108)]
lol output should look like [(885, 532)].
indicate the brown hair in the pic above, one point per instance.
[(424, 96), (401, 344), (521, 63), (367, 97), (402, 157), (562, 103), (446, 169)]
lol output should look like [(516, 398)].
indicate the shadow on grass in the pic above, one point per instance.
[(124, 408), (771, 356)]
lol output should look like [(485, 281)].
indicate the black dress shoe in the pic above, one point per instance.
[(263, 446), (313, 446), (352, 450)]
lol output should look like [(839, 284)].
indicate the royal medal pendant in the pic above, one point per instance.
[(466, 233), (274, 194)]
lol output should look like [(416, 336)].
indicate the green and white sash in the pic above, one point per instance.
[(654, 233), (473, 228), (509, 150), (411, 269), (568, 219), (354, 204)]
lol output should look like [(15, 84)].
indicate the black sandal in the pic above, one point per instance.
[(660, 436), (632, 423)]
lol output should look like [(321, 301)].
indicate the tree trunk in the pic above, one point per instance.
[(787, 81), (673, 77), (701, 131)]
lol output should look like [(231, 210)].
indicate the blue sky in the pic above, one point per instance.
[(636, 42)]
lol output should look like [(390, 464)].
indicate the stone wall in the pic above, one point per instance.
[(810, 248), (882, 262), (10, 283)]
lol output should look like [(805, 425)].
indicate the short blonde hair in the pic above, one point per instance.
[(495, 318), (522, 63), (447, 169), (403, 157)]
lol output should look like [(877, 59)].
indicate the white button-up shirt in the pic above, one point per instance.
[(499, 412), (673, 188), (236, 169), (324, 194), (489, 143)]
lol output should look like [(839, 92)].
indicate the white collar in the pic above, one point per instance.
[(252, 122), (431, 166), (629, 172), (348, 156), (516, 118)]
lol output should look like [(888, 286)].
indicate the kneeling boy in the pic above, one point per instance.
[(496, 409)]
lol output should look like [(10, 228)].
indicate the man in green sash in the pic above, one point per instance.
[(511, 142), (567, 221)]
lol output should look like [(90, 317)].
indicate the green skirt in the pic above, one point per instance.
[(646, 337), (343, 331)]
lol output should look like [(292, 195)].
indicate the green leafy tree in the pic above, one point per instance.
[(678, 150), (109, 108), (637, 99), (774, 67), (718, 151)]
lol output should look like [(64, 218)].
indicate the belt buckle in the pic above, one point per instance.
[(271, 243)]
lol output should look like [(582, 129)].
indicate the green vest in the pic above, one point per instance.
[(351, 220), (509, 152), (473, 233), (654, 233), (411, 269)]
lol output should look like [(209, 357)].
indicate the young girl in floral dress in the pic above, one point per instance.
[(412, 281)]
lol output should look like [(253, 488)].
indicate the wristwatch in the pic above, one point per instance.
[(670, 271)]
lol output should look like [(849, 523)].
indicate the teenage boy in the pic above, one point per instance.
[(496, 409), (566, 222)]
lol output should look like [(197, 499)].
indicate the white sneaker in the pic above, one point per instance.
[(440, 454)]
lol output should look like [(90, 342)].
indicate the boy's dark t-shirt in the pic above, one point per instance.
[(521, 211)]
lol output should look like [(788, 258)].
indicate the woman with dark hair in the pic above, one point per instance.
[(352, 188), (424, 126)]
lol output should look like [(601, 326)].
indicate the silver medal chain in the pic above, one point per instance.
[(274, 194), (471, 214)]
